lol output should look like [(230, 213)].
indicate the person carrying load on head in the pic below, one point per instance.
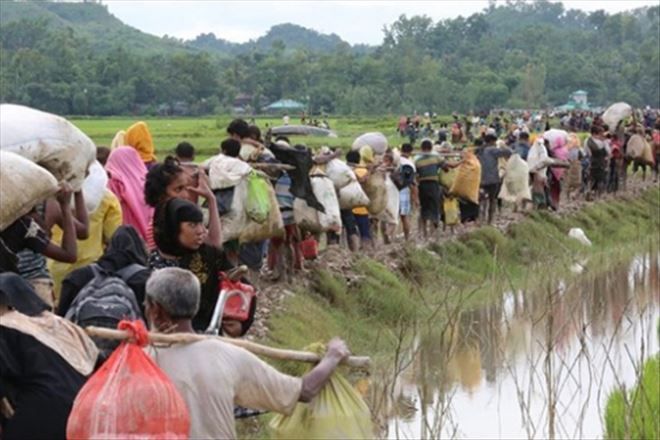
[(27, 241), (213, 376), (490, 179), (361, 213)]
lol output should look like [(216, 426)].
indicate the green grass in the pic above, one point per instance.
[(635, 414), (473, 269), (207, 133)]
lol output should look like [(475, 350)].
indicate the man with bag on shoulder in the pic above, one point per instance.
[(213, 376)]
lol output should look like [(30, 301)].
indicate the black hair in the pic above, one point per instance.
[(158, 178), (167, 224), (524, 135), (426, 145), (239, 127), (490, 138), (102, 154), (353, 157), (254, 133), (406, 148), (478, 142), (185, 151), (596, 129), (230, 147)]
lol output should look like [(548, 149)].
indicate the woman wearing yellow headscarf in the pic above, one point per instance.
[(139, 137)]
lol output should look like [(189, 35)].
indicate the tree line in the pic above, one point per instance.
[(517, 55)]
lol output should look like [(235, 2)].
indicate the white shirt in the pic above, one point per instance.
[(213, 377)]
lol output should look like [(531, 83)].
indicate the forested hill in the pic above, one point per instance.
[(79, 59)]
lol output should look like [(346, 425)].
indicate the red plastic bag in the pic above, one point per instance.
[(310, 248), (129, 397), (235, 307)]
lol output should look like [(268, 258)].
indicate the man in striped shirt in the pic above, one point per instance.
[(427, 165)]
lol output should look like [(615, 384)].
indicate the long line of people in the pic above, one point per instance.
[(243, 206)]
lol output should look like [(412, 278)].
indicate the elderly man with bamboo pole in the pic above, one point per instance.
[(213, 376)]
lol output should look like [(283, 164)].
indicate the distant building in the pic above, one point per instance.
[(576, 101)]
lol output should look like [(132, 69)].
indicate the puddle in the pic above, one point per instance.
[(532, 365)]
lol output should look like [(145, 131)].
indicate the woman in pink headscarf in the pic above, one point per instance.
[(558, 151), (127, 175)]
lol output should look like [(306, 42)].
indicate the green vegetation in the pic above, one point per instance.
[(79, 59), (634, 413), (369, 305), (207, 133)]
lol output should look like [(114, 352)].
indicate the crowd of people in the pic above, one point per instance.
[(156, 238)]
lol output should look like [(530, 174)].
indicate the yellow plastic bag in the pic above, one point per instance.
[(467, 181), (452, 211), (447, 177), (337, 412)]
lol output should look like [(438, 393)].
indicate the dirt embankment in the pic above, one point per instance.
[(339, 260)]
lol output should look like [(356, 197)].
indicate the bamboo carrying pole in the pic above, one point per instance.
[(258, 349)]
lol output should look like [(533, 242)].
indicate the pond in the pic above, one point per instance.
[(531, 365)]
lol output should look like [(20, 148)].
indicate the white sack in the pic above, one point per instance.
[(391, 213), (93, 187), (352, 195), (236, 219), (340, 173), (23, 184), (615, 113), (515, 185), (48, 140), (312, 220), (553, 134), (579, 235), (225, 171), (377, 141)]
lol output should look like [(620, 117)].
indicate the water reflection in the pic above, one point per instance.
[(533, 364)]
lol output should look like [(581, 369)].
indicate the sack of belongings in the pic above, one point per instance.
[(515, 185), (374, 187), (615, 113), (377, 142), (23, 185), (468, 178), (257, 203), (352, 195), (129, 397), (340, 173), (640, 150), (271, 228), (390, 214), (337, 412), (94, 186), (308, 218), (48, 140), (452, 211)]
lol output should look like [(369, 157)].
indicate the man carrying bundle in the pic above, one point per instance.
[(213, 376)]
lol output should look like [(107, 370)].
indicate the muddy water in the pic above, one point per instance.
[(534, 364)]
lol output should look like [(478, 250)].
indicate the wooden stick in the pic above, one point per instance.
[(258, 349), (275, 166)]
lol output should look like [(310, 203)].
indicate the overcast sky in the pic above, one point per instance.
[(353, 21)]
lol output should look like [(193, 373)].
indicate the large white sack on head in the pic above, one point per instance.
[(615, 113), (225, 171), (553, 134), (377, 141), (515, 186), (23, 184), (48, 140), (352, 195), (308, 218), (579, 235), (93, 187), (391, 213), (340, 173)]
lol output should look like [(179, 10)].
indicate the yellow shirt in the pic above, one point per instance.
[(360, 172), (102, 224)]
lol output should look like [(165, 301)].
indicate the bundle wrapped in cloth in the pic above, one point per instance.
[(309, 218), (515, 187), (468, 178), (48, 140)]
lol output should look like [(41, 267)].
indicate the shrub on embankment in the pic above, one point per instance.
[(367, 306)]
